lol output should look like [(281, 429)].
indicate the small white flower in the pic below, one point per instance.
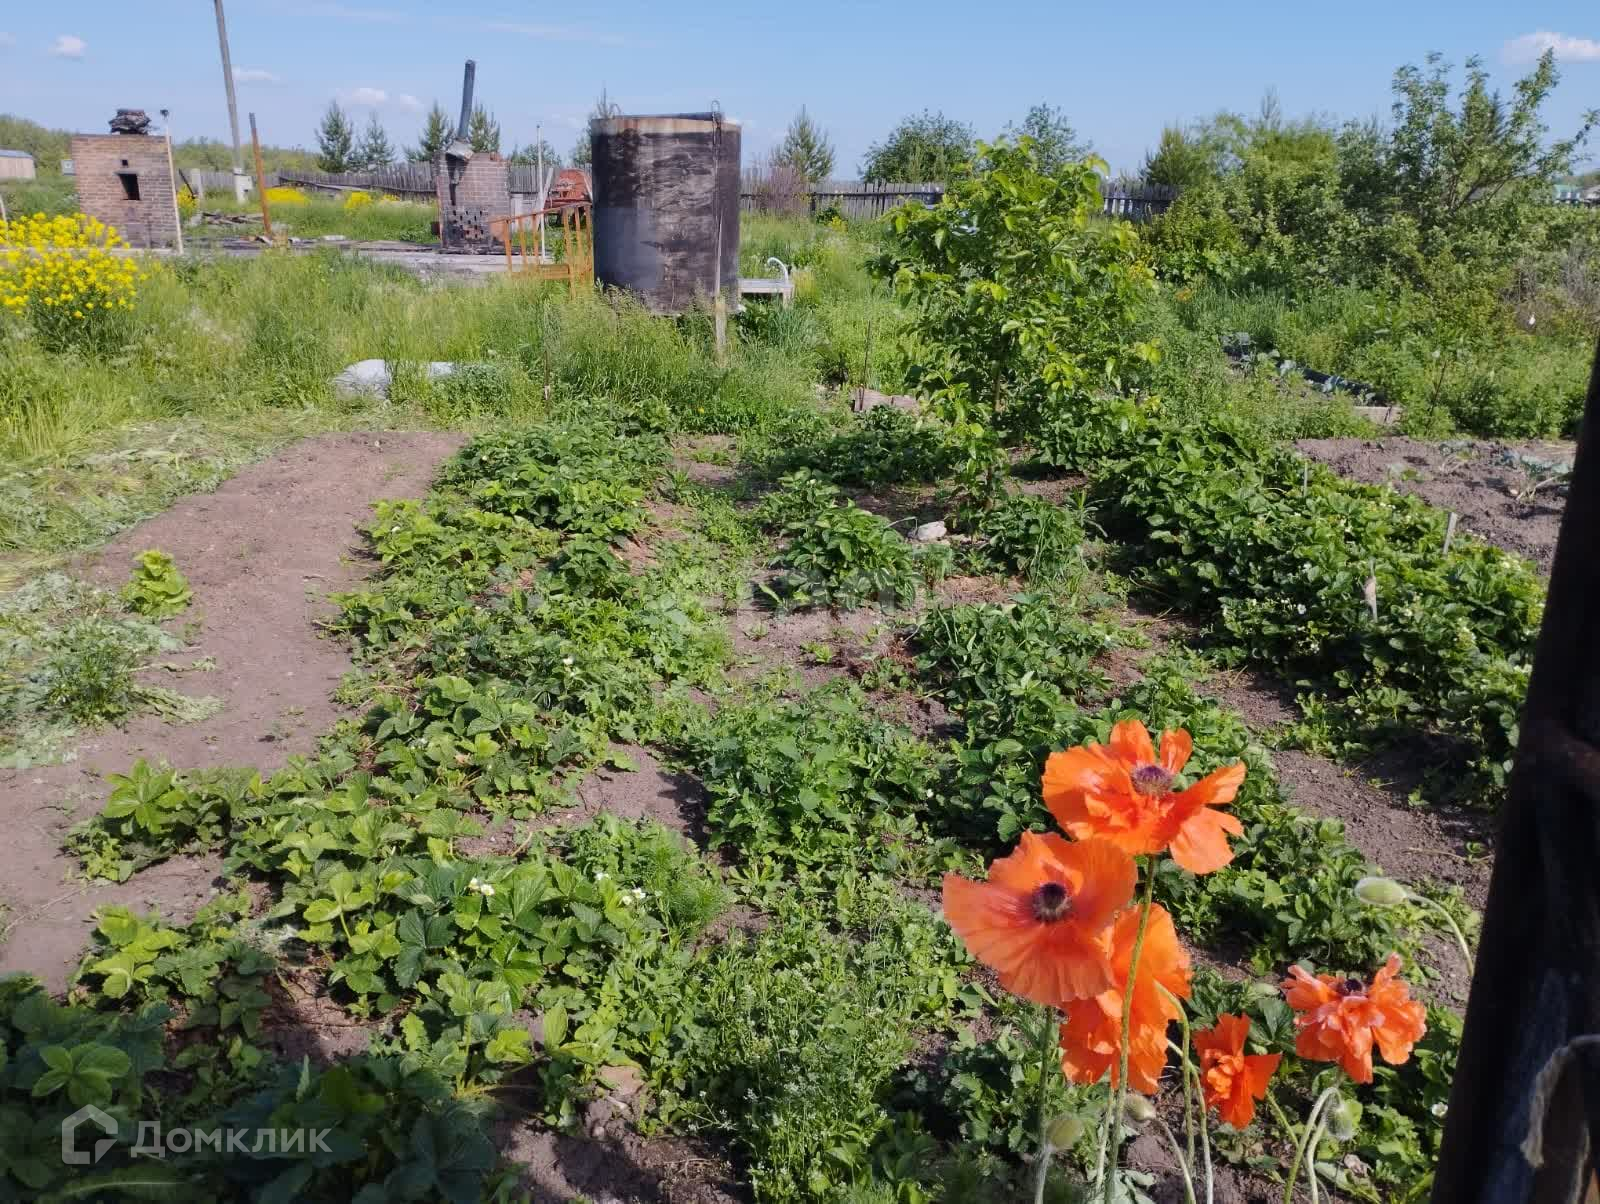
[(1440, 1109), (486, 891), (638, 893), (394, 530), (473, 885), (1301, 609), (566, 660), (625, 900), (601, 875), (927, 794)]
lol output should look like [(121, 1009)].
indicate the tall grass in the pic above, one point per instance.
[(1452, 365), (319, 215), (233, 355), (49, 195)]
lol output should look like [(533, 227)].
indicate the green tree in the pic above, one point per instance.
[(1444, 162), (335, 140), (807, 149), (48, 147), (924, 147), (583, 151), (1024, 306), (483, 131), (374, 150), (529, 155), (435, 136), (1183, 158), (1055, 142)]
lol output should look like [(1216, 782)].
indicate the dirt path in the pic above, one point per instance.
[(1487, 484), (261, 553)]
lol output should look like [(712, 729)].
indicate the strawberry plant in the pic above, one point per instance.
[(158, 590), (844, 556)]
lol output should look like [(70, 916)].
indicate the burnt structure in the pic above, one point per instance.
[(125, 180), (666, 208), (473, 187)]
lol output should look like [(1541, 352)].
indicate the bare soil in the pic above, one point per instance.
[(262, 554), (623, 1169), (1481, 482)]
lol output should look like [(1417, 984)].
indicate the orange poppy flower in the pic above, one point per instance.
[(1340, 1019), (1122, 792), (1091, 1036), (1232, 1079), (1042, 919)]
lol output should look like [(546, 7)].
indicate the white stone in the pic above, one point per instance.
[(372, 378), (366, 378), (929, 532)]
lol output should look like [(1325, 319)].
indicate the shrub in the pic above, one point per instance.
[(844, 556), (884, 446), (60, 273), (1031, 536)]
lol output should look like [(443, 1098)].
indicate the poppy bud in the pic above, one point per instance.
[(1065, 1130), (1343, 1115), (1138, 1109), (1381, 892)]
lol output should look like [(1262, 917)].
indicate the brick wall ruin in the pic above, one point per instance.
[(468, 198), (125, 181)]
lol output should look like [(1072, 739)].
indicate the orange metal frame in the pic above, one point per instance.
[(577, 244)]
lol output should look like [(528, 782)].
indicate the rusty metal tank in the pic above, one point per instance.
[(666, 207)]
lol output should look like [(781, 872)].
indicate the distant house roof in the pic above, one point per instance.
[(11, 154)]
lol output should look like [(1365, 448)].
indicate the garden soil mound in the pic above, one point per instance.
[(262, 554)]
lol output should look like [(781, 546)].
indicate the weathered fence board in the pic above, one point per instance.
[(761, 188)]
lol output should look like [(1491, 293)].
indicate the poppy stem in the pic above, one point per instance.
[(1307, 1148), (1189, 1068), (1450, 920), (1119, 1091), (1183, 1163), (1046, 1046)]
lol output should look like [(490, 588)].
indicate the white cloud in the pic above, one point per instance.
[(8, 39), (254, 75), (553, 33), (372, 97), (68, 46), (1568, 47), (379, 98)]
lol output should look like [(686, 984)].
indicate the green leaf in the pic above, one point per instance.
[(555, 1027)]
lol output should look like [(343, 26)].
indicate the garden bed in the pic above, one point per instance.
[(262, 553), (1502, 498)]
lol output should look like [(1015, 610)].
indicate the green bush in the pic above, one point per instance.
[(884, 446), (1030, 536)]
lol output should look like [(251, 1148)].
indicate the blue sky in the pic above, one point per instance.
[(1121, 70)]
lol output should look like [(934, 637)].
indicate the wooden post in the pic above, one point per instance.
[(172, 174), (261, 178), (1537, 982)]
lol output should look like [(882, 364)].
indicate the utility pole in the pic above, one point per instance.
[(233, 105)]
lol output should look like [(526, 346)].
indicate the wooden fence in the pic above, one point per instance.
[(412, 181), (759, 189), (762, 189)]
